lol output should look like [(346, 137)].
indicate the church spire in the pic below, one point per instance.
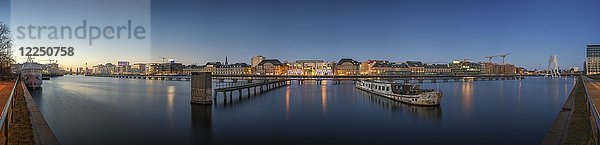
[(226, 63)]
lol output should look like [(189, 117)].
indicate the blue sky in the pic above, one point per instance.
[(426, 30)]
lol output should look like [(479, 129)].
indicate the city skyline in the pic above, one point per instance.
[(202, 31)]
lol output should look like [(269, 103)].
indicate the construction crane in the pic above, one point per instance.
[(501, 55), (162, 58)]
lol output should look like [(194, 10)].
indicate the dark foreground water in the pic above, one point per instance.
[(92, 110)]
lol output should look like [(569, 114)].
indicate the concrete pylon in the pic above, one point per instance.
[(201, 88)]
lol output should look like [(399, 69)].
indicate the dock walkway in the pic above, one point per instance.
[(262, 86)]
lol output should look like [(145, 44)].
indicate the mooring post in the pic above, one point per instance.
[(201, 88)]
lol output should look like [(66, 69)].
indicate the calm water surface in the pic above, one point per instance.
[(94, 110)]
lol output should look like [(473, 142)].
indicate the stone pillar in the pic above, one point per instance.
[(201, 88)]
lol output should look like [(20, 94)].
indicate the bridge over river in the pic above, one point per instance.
[(337, 79)]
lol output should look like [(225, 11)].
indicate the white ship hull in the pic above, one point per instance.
[(31, 74), (32, 80), (430, 98)]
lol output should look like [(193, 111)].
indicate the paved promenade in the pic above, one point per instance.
[(5, 89)]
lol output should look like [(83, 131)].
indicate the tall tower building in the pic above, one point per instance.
[(592, 66), (256, 60)]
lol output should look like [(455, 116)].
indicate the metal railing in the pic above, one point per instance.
[(594, 116), (7, 114)]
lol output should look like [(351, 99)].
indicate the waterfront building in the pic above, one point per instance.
[(216, 68), (310, 68), (122, 63), (51, 69), (169, 68), (233, 69), (256, 60), (489, 68), (347, 67), (465, 67), (416, 67), (592, 65), (507, 69), (437, 69), (572, 70), (97, 69), (139, 68), (521, 71), (188, 69), (294, 68), (380, 67), (123, 67), (486, 67), (366, 67), (104, 69), (270, 67)]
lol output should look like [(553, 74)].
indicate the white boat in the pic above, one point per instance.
[(406, 93), (31, 74)]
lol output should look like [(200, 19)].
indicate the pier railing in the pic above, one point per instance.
[(7, 115), (594, 115)]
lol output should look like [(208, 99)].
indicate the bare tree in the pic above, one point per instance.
[(6, 58)]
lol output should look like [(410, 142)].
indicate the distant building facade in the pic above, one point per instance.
[(437, 69), (465, 67), (592, 65), (256, 60), (216, 68), (139, 68), (310, 68), (270, 67), (347, 67), (416, 67), (169, 68), (489, 68), (381, 67)]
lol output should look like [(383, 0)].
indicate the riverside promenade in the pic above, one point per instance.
[(6, 88), (21, 121), (577, 122)]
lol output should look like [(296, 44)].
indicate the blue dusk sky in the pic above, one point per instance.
[(397, 30)]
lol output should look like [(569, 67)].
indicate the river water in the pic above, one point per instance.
[(97, 110)]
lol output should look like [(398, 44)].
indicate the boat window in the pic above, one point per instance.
[(387, 88)]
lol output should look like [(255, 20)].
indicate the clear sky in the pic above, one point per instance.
[(196, 31)]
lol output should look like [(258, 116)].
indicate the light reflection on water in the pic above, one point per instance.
[(324, 97), (89, 110), (467, 95)]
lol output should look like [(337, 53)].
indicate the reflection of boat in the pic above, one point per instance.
[(406, 93), (31, 74), (420, 112)]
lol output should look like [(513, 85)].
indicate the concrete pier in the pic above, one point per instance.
[(201, 88), (261, 87)]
